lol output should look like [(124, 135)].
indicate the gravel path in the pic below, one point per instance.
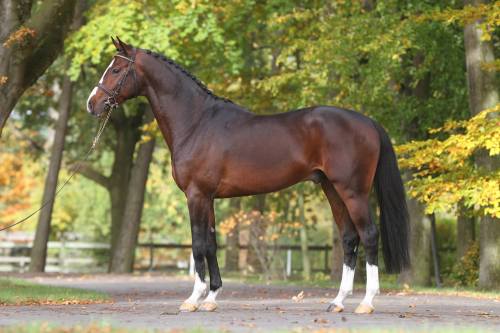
[(152, 302)]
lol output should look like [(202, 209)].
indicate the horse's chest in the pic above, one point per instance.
[(197, 172)]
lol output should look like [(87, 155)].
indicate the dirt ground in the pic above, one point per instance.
[(152, 302)]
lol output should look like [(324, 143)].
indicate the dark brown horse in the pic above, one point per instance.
[(221, 150)]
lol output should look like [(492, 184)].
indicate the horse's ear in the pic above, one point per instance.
[(116, 44), (123, 47)]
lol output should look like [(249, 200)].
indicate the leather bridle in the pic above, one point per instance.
[(111, 102)]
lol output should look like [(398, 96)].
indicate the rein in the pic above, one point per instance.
[(75, 170), (110, 104)]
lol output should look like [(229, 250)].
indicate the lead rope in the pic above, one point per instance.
[(72, 174)]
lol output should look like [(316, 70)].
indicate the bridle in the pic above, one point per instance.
[(111, 102)]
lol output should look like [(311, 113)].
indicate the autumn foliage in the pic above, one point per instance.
[(443, 167), (16, 183)]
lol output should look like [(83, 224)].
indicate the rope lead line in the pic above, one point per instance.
[(72, 174)]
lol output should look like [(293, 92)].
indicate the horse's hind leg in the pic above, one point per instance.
[(358, 208), (350, 241)]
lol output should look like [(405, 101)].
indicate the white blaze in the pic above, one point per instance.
[(94, 91), (92, 94)]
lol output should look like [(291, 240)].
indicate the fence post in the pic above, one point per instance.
[(288, 262), (191, 264), (326, 259), (62, 253), (151, 257)]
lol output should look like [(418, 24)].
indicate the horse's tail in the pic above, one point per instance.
[(394, 220)]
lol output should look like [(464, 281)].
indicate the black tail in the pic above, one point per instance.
[(394, 224)]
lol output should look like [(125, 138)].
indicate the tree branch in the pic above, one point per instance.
[(90, 173), (28, 57)]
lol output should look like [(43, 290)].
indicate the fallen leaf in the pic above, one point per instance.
[(321, 321), (170, 313)]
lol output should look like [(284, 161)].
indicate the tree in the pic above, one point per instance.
[(122, 258), (304, 242), (31, 37), (127, 134), (39, 249), (483, 94), (232, 240), (459, 167), (17, 177)]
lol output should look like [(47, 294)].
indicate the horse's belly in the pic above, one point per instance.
[(252, 179)]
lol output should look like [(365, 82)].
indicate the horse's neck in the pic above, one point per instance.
[(176, 114)]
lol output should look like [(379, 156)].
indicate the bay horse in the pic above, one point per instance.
[(220, 150)]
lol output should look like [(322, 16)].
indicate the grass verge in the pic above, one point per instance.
[(386, 286), (21, 292), (105, 328)]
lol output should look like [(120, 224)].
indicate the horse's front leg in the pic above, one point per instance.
[(201, 214), (209, 304)]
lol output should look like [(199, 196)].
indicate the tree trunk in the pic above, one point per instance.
[(232, 240), (337, 255), (259, 204), (304, 243), (39, 249), (122, 258), (368, 5), (38, 42), (465, 231), (420, 226), (483, 94), (127, 135), (420, 246), (117, 184)]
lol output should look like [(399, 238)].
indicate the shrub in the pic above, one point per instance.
[(466, 271)]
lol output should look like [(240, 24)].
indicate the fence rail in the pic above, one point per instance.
[(80, 257)]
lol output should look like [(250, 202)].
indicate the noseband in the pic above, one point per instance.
[(111, 102)]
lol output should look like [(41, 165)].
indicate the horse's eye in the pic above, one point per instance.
[(116, 70)]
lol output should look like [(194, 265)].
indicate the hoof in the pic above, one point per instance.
[(334, 308), (208, 306), (188, 307), (363, 308)]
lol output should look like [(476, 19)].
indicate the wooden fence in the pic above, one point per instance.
[(63, 257), (89, 257)]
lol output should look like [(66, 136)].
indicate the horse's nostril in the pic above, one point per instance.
[(90, 106)]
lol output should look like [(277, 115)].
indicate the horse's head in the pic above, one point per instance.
[(118, 83)]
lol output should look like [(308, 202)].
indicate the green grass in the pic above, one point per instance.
[(386, 285), (21, 292), (105, 328)]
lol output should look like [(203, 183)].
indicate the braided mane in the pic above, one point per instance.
[(198, 82)]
